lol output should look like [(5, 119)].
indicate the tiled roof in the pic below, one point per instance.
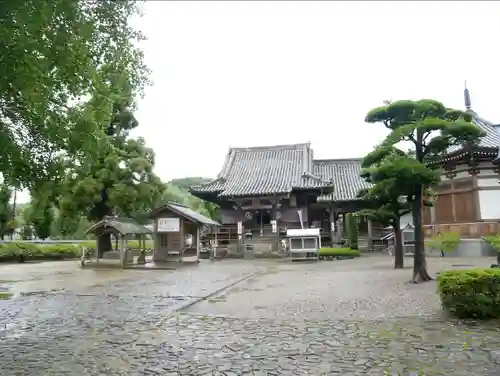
[(124, 226), (187, 213), (345, 175), (490, 140), (266, 170)]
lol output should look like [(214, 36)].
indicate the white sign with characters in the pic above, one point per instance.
[(169, 225), (274, 226)]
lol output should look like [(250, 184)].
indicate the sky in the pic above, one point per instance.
[(231, 74)]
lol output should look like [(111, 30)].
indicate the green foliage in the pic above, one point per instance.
[(178, 191), (117, 179), (494, 241), (471, 293), (27, 232), (30, 251), (338, 252), (53, 55), (446, 242), (10, 252), (431, 129), (4, 295), (383, 201), (351, 221), (41, 216)]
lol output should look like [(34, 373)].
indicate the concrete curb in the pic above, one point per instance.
[(216, 292)]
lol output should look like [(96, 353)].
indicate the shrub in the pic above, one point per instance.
[(446, 242), (472, 293), (494, 241), (338, 252), (352, 230), (30, 251)]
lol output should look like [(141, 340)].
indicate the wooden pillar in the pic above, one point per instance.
[(216, 241), (275, 217), (453, 207), (123, 254), (83, 256), (370, 234), (331, 218), (198, 244), (97, 248), (181, 229), (141, 260), (156, 240)]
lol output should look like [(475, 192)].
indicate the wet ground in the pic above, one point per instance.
[(351, 317)]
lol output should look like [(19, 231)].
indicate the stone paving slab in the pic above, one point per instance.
[(206, 345), (144, 297), (339, 318), (349, 289)]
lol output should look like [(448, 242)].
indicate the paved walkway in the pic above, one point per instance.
[(353, 317)]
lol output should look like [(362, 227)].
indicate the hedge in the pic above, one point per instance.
[(338, 252), (471, 293), (12, 251), (30, 251)]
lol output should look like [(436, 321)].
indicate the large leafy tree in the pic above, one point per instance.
[(117, 179), (54, 55), (386, 201), (430, 129)]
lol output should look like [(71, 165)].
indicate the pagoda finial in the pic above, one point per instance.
[(467, 97)]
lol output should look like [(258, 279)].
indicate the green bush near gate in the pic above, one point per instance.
[(472, 293), (338, 252)]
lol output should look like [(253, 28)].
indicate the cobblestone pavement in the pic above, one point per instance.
[(355, 317)]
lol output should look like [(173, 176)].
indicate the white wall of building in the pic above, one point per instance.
[(489, 200)]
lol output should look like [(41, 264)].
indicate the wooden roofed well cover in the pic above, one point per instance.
[(186, 213), (121, 225)]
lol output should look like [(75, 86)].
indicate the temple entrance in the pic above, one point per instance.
[(263, 217)]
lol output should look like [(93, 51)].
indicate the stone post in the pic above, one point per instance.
[(370, 234)]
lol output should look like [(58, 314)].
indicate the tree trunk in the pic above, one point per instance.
[(420, 273), (104, 243), (398, 246), (14, 203)]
